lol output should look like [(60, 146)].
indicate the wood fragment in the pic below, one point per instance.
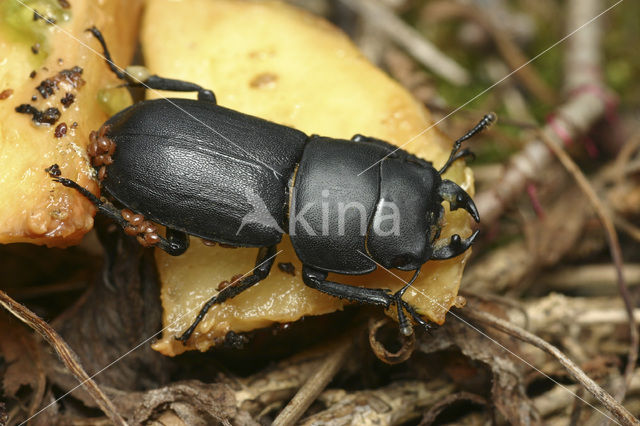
[(613, 406), (555, 312), (396, 403), (66, 354), (573, 119), (600, 278), (614, 249), (430, 416), (315, 385)]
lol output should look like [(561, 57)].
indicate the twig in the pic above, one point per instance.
[(431, 415), (396, 403), (573, 119), (315, 385), (410, 39), (600, 276), (614, 247), (626, 226), (555, 313), (613, 406), (66, 354)]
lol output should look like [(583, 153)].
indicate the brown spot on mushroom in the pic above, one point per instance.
[(48, 116), (70, 77), (287, 268), (53, 170), (67, 100), (5, 94), (265, 80)]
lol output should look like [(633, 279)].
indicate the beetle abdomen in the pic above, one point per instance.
[(204, 169)]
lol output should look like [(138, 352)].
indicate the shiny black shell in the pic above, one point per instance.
[(188, 165)]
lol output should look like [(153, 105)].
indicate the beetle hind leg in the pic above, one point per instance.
[(133, 224), (264, 261), (138, 76)]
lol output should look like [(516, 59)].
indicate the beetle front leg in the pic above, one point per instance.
[(138, 76), (370, 296), (264, 261)]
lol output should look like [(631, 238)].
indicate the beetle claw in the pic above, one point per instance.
[(458, 198), (455, 247)]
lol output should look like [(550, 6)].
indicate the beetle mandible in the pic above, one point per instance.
[(239, 180)]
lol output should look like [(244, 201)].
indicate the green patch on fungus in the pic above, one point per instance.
[(114, 99), (21, 24)]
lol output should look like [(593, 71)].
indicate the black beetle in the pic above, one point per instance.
[(204, 170)]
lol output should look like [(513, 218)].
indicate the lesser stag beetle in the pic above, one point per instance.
[(204, 170)]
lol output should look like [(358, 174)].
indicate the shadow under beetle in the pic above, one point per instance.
[(192, 166)]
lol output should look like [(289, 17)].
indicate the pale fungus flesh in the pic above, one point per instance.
[(276, 62)]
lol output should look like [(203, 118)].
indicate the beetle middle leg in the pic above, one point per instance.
[(264, 261), (371, 296), (138, 76)]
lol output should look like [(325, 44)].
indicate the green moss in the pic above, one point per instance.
[(20, 24)]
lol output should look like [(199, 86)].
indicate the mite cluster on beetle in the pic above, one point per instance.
[(186, 172)]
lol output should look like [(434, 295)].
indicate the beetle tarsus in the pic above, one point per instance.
[(264, 261), (405, 327)]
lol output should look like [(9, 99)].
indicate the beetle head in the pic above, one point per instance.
[(457, 198), (408, 217)]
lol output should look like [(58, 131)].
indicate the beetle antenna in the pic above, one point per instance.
[(486, 121)]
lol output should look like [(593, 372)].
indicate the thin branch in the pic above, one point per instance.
[(601, 277), (66, 354), (614, 247), (315, 385), (588, 101), (613, 406)]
